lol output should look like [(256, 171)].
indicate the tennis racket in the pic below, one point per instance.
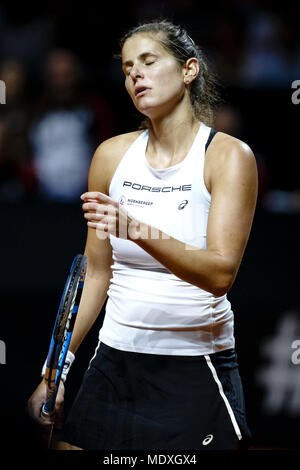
[(62, 332)]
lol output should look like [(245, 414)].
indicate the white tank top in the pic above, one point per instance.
[(149, 309)]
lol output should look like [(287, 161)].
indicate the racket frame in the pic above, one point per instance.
[(62, 332)]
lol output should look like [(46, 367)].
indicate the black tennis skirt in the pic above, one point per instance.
[(139, 401)]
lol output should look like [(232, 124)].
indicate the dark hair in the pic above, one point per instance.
[(175, 39)]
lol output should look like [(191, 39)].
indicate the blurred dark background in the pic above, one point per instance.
[(64, 96)]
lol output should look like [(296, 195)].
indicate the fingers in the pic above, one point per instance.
[(34, 410), (45, 420), (36, 402), (100, 208), (59, 406), (59, 415), (98, 197), (103, 220), (96, 217), (104, 215)]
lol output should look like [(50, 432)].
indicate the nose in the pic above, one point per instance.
[(135, 72)]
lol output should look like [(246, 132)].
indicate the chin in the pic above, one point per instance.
[(155, 109), (148, 111)]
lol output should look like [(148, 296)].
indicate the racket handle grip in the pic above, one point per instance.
[(46, 414), (48, 408)]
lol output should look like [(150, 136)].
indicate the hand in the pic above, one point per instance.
[(36, 401), (108, 217)]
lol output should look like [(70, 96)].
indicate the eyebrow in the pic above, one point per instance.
[(141, 56)]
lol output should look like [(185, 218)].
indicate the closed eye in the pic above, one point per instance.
[(147, 58), (128, 69)]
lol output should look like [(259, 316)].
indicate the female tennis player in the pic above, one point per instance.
[(169, 212)]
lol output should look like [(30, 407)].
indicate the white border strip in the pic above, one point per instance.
[(229, 409), (95, 354)]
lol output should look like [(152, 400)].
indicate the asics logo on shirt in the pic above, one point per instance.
[(182, 204), (157, 189)]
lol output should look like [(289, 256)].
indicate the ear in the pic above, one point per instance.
[(190, 70)]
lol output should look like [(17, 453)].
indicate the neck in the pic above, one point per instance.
[(170, 139)]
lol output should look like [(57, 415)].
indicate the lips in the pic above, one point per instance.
[(140, 90)]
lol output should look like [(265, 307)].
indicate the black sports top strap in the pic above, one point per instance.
[(210, 137)]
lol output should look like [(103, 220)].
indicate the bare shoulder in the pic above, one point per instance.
[(115, 147), (106, 159), (228, 155), (225, 146)]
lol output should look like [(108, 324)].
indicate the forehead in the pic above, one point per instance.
[(140, 43)]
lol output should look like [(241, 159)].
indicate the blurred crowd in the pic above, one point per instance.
[(46, 144), (58, 65)]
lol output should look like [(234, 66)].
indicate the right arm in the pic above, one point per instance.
[(94, 294), (99, 257)]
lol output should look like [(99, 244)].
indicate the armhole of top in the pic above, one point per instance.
[(206, 193), (210, 138)]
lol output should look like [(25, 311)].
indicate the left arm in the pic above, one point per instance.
[(233, 186)]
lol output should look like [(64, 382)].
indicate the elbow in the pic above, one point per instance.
[(222, 283), (219, 291)]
